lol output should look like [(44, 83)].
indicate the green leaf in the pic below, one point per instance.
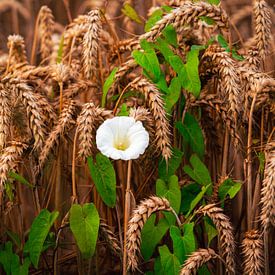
[(197, 199), (204, 270), (104, 177), (188, 194), (148, 60), (20, 179), (158, 270), (164, 48), (153, 19), (261, 158), (189, 74), (184, 245), (214, 2), (151, 235), (229, 187), (169, 262), (170, 35), (38, 233), (165, 172), (123, 110), (170, 191), (84, 223), (21, 269), (208, 20), (176, 63), (199, 172), (107, 85), (174, 93), (129, 11), (222, 41), (15, 238), (210, 229), (60, 50), (8, 259), (192, 136)]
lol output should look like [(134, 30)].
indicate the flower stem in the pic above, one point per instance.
[(126, 214)]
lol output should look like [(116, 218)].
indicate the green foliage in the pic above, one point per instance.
[(104, 177), (153, 19), (198, 172), (60, 50), (193, 141), (148, 60), (210, 229), (151, 235), (167, 170), (170, 191), (188, 194), (107, 85), (39, 230), (84, 223), (172, 97), (225, 45), (129, 11), (184, 245), (214, 2), (170, 35), (169, 262), (230, 188), (123, 110), (20, 179)]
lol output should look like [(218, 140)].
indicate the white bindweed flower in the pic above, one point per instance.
[(122, 138)]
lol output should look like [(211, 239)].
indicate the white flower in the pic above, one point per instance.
[(122, 138)]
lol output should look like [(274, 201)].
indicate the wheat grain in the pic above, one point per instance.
[(225, 233), (252, 250), (5, 115), (46, 25), (65, 122), (268, 189), (17, 51), (90, 44), (156, 106), (196, 260), (88, 119), (262, 27), (140, 215)]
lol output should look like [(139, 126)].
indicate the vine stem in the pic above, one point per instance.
[(127, 213), (74, 193)]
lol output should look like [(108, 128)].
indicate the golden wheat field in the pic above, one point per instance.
[(137, 137)]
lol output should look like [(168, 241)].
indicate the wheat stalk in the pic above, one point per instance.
[(46, 25), (5, 115), (90, 44), (88, 119), (140, 215), (196, 260), (156, 106), (225, 233), (252, 250), (65, 122)]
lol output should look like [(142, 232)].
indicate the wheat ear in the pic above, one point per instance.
[(8, 161), (65, 122), (5, 115), (268, 189), (262, 27), (225, 234), (156, 105), (17, 51), (140, 215), (90, 44), (87, 121), (252, 250), (110, 238), (196, 260), (34, 104), (46, 25)]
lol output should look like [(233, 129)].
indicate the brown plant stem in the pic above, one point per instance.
[(126, 214)]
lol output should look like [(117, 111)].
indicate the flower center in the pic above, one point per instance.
[(122, 144)]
